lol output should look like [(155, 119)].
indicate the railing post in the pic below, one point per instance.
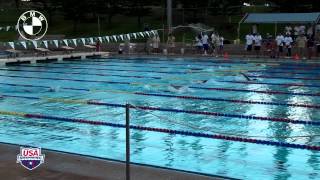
[(127, 142)]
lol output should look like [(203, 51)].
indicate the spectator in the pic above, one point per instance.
[(221, 44), (155, 43), (280, 43), (199, 43), (288, 43), (205, 43), (214, 38), (257, 43), (249, 42), (171, 42), (98, 46), (301, 42)]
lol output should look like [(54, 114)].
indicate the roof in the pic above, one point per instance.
[(282, 18)]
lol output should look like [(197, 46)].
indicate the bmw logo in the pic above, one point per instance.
[(32, 25)]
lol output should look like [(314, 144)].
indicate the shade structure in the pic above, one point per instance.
[(279, 18)]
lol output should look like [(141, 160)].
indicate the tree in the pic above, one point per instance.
[(137, 8)]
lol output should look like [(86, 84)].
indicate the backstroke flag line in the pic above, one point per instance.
[(107, 39)]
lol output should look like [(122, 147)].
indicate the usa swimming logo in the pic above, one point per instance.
[(30, 158)]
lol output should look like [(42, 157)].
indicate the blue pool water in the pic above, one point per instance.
[(160, 76)]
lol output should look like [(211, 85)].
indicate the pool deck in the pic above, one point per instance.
[(54, 57), (65, 166)]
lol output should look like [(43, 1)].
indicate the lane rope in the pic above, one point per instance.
[(192, 87), (164, 130), (206, 113)]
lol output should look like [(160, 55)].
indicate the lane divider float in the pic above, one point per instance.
[(164, 130)]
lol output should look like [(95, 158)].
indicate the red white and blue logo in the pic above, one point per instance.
[(30, 158)]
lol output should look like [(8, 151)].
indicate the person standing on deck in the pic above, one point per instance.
[(221, 44), (280, 43), (213, 43), (199, 43), (288, 43), (301, 42), (249, 43), (98, 46), (155, 43), (205, 43), (171, 42), (257, 44)]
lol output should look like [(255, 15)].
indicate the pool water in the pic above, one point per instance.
[(116, 80)]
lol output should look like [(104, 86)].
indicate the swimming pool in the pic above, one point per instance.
[(280, 103)]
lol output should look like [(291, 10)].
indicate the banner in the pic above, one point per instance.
[(141, 34), (121, 36), (91, 40), (107, 37), (100, 39), (135, 35), (115, 38), (128, 36)]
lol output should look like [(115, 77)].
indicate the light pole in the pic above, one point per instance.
[(169, 15)]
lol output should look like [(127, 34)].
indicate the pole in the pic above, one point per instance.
[(127, 142), (169, 14), (99, 25)]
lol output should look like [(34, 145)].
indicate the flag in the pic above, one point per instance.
[(35, 44), (100, 39), (83, 41), (74, 42), (8, 28), (56, 42), (115, 38), (11, 44), (108, 39), (141, 34), (24, 44), (45, 44), (65, 42), (128, 36), (135, 35), (91, 40)]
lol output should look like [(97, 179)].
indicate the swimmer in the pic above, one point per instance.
[(176, 87), (248, 79), (201, 81)]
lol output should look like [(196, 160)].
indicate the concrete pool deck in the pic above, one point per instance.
[(65, 166), (53, 57)]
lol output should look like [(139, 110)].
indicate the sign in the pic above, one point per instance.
[(30, 158), (32, 25)]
